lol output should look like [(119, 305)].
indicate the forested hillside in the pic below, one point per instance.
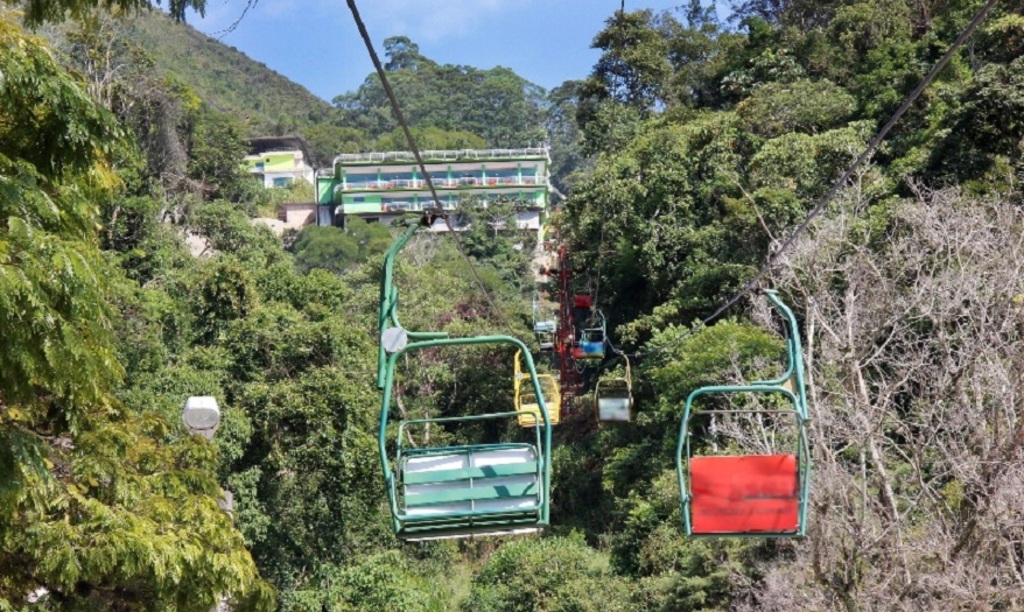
[(265, 102), (689, 154), (450, 106), (226, 78)]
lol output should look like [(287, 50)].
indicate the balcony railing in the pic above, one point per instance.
[(400, 207), (439, 183)]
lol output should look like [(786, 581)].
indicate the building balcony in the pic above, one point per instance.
[(391, 207)]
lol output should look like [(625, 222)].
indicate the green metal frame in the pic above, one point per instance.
[(544, 333), (456, 523), (468, 522), (615, 387), (388, 313), (796, 398)]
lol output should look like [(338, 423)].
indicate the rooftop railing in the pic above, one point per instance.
[(440, 155)]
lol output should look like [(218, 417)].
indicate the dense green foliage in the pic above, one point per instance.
[(336, 251), (104, 503), (496, 105), (689, 154), (40, 11)]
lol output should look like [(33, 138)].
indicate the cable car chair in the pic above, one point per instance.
[(526, 400), (450, 491), (750, 495), (613, 396), (544, 325), (591, 340)]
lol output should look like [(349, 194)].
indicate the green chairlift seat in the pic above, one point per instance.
[(492, 487), (763, 495), (489, 487)]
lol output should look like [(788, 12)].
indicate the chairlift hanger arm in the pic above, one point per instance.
[(388, 315), (725, 497), (794, 352)]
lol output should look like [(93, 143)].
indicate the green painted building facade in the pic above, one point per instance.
[(381, 187)]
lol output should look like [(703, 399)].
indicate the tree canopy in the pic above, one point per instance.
[(133, 276)]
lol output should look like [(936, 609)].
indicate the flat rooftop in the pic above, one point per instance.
[(431, 156)]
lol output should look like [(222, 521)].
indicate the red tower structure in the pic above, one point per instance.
[(569, 376)]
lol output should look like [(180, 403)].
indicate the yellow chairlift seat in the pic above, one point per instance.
[(528, 406), (526, 400)]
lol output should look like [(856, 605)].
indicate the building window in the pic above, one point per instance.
[(282, 181)]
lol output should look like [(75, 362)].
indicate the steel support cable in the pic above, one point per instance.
[(400, 117), (842, 181)]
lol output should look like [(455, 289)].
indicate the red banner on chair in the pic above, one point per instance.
[(747, 494)]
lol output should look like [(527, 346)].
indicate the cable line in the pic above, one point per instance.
[(842, 181), (400, 117)]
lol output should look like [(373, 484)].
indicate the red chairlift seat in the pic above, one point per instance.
[(744, 494)]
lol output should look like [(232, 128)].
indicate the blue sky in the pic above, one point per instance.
[(315, 42)]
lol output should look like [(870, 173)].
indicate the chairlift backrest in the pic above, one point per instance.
[(762, 495)]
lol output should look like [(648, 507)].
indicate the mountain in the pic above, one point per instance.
[(225, 77)]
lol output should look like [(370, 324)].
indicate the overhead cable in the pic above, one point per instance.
[(840, 183), (400, 117)]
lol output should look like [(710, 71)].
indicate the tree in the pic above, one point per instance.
[(986, 129), (102, 504), (41, 11), (428, 138), (339, 250), (634, 66), (326, 141), (800, 106), (217, 145), (497, 104), (548, 574), (913, 354), (563, 134), (402, 53)]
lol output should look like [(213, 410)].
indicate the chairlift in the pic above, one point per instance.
[(544, 325), (526, 399), (590, 343), (761, 495), (493, 486), (613, 397)]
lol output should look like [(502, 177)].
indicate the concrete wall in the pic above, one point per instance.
[(297, 215)]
